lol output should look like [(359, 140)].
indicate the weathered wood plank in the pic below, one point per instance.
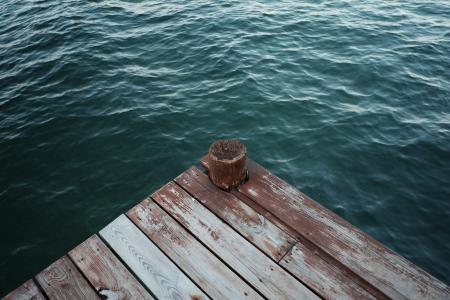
[(155, 270), (264, 212), (252, 264), (261, 210), (105, 272), (253, 226), (62, 280), (203, 267), (339, 281), (387, 271), (329, 280), (26, 291)]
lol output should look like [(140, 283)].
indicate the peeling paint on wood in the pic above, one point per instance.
[(27, 291), (106, 294), (265, 239), (329, 280), (252, 225), (105, 272), (387, 271), (213, 276), (62, 280), (164, 279), (252, 264)]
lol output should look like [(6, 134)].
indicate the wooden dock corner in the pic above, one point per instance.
[(235, 233)]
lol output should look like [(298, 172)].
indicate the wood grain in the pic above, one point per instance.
[(62, 280), (227, 160), (27, 291), (328, 279), (321, 272), (392, 274), (105, 272), (255, 227), (164, 279), (213, 276), (248, 261)]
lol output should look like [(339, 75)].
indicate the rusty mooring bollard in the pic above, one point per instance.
[(227, 163)]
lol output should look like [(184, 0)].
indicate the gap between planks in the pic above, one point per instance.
[(105, 272), (28, 290), (381, 267), (322, 273), (189, 254), (251, 202), (148, 262), (252, 264), (254, 227), (62, 280)]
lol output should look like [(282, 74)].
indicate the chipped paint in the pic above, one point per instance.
[(107, 294), (252, 192), (236, 251), (189, 254), (377, 265), (255, 227)]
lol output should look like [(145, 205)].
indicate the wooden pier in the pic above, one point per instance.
[(264, 239)]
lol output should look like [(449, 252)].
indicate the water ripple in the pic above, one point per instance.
[(348, 101)]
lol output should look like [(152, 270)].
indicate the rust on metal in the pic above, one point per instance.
[(227, 161)]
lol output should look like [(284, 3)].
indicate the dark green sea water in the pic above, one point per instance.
[(102, 102)]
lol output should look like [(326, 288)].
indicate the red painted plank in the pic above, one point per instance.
[(329, 279), (308, 263), (62, 280), (250, 263), (254, 227), (202, 266), (387, 271), (105, 272), (26, 291)]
